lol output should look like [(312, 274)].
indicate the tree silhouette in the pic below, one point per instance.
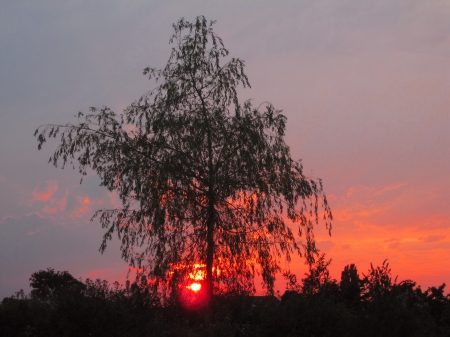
[(48, 283), (350, 285), (202, 178), (318, 276), (98, 308), (378, 282)]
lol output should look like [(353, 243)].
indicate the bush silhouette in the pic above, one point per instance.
[(376, 305)]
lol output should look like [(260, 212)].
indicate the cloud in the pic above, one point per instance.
[(394, 245), (36, 231), (5, 218), (357, 211), (391, 240), (83, 207), (47, 193), (325, 246), (76, 202), (34, 242), (95, 272), (63, 202), (49, 210), (44, 192), (374, 191), (382, 190), (432, 238)]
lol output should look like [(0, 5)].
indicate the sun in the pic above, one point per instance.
[(195, 287), (194, 278)]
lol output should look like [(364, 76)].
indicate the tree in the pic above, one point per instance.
[(378, 282), (351, 284), (48, 283), (202, 178), (318, 278)]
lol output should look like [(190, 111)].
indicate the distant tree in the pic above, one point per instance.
[(292, 284), (202, 178), (439, 305), (46, 283), (378, 282), (351, 284), (318, 277)]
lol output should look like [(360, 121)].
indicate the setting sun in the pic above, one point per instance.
[(195, 287)]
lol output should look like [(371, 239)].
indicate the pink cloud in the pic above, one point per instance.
[(5, 218), (35, 214), (388, 188), (34, 232), (374, 191), (94, 273), (44, 193), (84, 203), (63, 202), (79, 212), (49, 210)]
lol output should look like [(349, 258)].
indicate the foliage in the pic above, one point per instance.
[(351, 284), (101, 309), (318, 276), (378, 282), (202, 178), (46, 283)]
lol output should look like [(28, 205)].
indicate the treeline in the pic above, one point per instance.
[(373, 304)]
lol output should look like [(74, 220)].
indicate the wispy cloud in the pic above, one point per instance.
[(45, 191), (374, 190)]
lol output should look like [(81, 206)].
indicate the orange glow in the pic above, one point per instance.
[(190, 291), (197, 275), (244, 201), (374, 223)]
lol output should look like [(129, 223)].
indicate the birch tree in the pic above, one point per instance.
[(202, 177)]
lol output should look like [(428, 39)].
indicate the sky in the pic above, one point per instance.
[(364, 84)]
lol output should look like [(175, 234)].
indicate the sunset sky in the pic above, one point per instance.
[(365, 86)]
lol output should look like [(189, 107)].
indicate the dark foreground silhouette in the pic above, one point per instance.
[(372, 305)]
